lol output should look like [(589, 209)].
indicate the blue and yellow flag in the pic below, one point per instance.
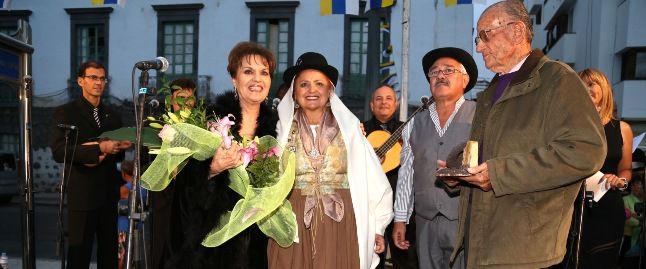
[(329, 7), (448, 3), (108, 2), (375, 4)]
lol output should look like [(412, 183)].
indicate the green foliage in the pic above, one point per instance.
[(264, 171)]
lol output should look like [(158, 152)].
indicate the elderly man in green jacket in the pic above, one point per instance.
[(539, 136)]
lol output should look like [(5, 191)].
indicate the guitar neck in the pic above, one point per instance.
[(397, 134)]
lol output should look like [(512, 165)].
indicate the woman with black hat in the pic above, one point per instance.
[(341, 197)]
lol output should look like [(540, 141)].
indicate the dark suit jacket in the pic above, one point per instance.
[(88, 187)]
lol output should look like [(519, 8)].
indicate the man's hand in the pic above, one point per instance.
[(480, 177), (380, 244), (124, 144), (399, 235), (113, 146)]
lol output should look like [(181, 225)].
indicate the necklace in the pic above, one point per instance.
[(313, 153)]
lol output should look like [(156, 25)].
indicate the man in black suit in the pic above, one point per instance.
[(383, 105), (93, 186)]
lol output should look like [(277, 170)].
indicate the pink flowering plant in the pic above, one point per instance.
[(264, 180)]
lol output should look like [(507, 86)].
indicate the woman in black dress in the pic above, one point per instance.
[(205, 196), (603, 221)]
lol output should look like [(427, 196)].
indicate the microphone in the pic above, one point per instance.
[(274, 103), (153, 103), (159, 63), (424, 100), (66, 126)]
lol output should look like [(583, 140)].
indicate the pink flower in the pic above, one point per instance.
[(249, 152), (212, 127), (222, 127), (167, 133), (271, 152)]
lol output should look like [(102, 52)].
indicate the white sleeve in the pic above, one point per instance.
[(404, 199)]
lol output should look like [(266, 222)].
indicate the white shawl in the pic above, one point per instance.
[(372, 197)]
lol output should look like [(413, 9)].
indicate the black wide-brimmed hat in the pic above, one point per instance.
[(455, 53), (311, 60)]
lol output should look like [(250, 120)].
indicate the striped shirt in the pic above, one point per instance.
[(404, 198)]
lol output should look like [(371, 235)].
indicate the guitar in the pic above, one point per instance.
[(387, 145)]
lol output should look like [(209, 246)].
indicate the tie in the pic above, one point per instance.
[(95, 113)]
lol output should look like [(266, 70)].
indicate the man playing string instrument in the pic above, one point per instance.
[(383, 123)]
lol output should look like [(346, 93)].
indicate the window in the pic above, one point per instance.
[(178, 48), (561, 26), (633, 64), (89, 41), (272, 26), (535, 14), (365, 35), (9, 142), (177, 36), (9, 20), (356, 80)]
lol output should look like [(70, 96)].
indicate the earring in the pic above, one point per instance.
[(235, 92), (296, 106), (328, 104)]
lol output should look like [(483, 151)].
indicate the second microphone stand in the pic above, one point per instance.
[(136, 212)]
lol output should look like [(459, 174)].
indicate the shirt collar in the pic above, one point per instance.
[(517, 66)]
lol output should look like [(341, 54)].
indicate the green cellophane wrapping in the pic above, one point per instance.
[(266, 206), (188, 141)]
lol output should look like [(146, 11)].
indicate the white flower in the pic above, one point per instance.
[(167, 134)]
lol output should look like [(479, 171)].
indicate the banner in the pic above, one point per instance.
[(376, 4), (329, 7)]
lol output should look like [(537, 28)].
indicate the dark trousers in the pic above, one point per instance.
[(83, 226)]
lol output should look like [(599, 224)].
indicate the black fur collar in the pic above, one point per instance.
[(227, 103)]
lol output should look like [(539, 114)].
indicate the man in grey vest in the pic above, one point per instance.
[(429, 137)]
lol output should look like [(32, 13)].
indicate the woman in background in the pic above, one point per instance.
[(603, 221)]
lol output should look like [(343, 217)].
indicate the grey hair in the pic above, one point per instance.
[(516, 10)]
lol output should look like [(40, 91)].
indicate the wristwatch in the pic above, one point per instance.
[(625, 184)]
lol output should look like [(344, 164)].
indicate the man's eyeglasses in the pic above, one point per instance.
[(99, 79), (483, 35), (447, 71)]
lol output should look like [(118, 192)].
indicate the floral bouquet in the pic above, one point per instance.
[(263, 180)]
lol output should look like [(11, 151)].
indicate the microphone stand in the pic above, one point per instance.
[(642, 240), (135, 215), (28, 232), (60, 246)]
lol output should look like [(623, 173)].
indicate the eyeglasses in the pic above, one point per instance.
[(447, 71), (483, 35), (99, 79)]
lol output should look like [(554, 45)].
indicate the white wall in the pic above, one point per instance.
[(431, 26), (132, 37)]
